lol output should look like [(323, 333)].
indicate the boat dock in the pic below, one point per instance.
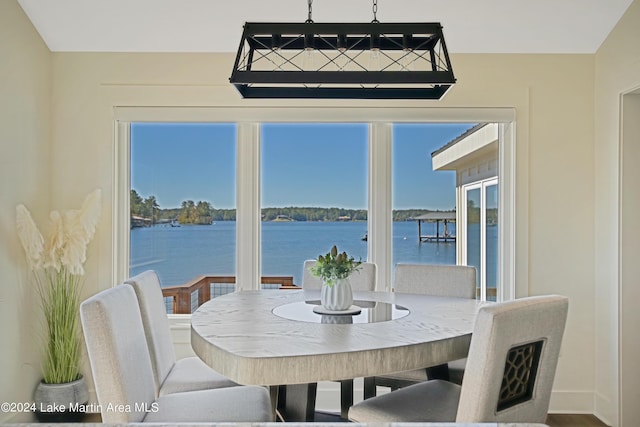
[(436, 218)]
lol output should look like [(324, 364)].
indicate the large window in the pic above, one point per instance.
[(314, 193), (256, 198), (182, 200)]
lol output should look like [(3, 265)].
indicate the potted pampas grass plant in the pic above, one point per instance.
[(57, 264)]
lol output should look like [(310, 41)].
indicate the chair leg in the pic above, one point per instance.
[(369, 387), (274, 393), (346, 397)]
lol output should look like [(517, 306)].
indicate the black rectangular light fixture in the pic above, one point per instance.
[(342, 61)]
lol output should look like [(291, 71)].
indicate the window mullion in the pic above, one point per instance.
[(248, 207), (380, 216)]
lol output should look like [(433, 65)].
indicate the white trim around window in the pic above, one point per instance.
[(507, 211)]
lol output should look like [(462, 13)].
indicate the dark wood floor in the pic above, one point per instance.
[(571, 420), (554, 420)]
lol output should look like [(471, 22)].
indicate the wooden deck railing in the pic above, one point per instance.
[(491, 293), (181, 294)]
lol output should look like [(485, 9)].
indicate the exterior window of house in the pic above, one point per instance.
[(491, 228), (481, 235), (182, 202), (473, 250), (314, 193)]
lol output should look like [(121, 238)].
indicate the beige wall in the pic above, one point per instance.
[(556, 205), (25, 128), (617, 71), (553, 97)]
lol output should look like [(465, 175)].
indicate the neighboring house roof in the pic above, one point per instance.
[(459, 138), (472, 147)]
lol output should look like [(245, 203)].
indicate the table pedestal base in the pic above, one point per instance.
[(297, 402)]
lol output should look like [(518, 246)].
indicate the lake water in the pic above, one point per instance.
[(178, 254)]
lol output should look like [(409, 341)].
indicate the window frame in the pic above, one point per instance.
[(362, 141), (248, 226), (481, 185)]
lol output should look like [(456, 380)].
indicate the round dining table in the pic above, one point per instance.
[(275, 337), (255, 337)]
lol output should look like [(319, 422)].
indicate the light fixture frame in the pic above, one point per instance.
[(262, 39)]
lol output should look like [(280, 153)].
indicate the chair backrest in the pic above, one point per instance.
[(457, 281), (156, 324), (118, 354), (309, 281), (512, 360), (363, 279)]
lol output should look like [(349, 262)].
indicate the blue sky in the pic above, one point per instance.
[(302, 164)]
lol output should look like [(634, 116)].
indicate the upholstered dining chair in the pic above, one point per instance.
[(171, 375), (455, 281), (364, 279), (510, 370), (123, 377)]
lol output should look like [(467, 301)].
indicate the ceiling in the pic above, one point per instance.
[(470, 26)]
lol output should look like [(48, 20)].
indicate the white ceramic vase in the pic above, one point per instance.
[(338, 297)]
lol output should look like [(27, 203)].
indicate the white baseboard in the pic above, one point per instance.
[(571, 402), (581, 402), (603, 409)]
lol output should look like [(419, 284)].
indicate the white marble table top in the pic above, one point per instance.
[(239, 336)]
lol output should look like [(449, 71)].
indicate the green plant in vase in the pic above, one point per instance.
[(334, 266)]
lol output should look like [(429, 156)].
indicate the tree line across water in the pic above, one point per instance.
[(202, 212)]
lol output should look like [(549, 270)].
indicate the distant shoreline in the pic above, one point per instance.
[(285, 214)]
